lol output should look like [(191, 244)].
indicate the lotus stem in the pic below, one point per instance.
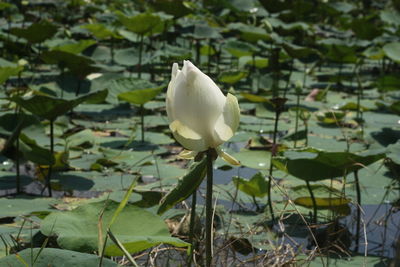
[(288, 79), (209, 213), (17, 164), (256, 204), (313, 201), (191, 230), (78, 88), (142, 121), (112, 50), (48, 183), (306, 128), (271, 209), (140, 56), (296, 125), (358, 209)]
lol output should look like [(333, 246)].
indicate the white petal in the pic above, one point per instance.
[(198, 102), (228, 122), (187, 154), (175, 70), (228, 158), (171, 91), (188, 138)]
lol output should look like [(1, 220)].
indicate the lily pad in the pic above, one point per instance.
[(54, 257), (136, 228)]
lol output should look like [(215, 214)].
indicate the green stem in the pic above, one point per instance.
[(271, 209), (305, 76), (48, 183), (78, 88), (142, 121), (192, 226), (296, 126), (288, 79), (340, 73), (256, 204), (313, 201), (140, 57), (306, 128), (358, 210), (209, 213), (17, 164), (112, 50)]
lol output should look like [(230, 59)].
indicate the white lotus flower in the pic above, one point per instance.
[(201, 117)]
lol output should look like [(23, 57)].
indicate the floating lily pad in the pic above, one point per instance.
[(136, 228), (54, 257)]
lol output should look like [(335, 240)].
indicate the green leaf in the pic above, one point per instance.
[(365, 28), (122, 85), (256, 159), (35, 153), (137, 229), (128, 57), (300, 52), (177, 8), (140, 96), (392, 51), (36, 32), (76, 47), (143, 23), (338, 52), (322, 203), (79, 65), (388, 82), (330, 116), (250, 33), (203, 31), (24, 205), (375, 53), (315, 165), (100, 31), (350, 106), (391, 16), (232, 77), (50, 108), (7, 72), (186, 186), (239, 49), (257, 186), (258, 62), (54, 257), (207, 50), (255, 98)]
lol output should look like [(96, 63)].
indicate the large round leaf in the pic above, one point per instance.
[(257, 186), (53, 257), (36, 32), (137, 229), (392, 51), (141, 96), (50, 108), (143, 23), (315, 165)]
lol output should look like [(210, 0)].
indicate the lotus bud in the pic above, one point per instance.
[(201, 116)]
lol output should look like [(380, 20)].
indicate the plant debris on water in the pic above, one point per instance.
[(91, 173)]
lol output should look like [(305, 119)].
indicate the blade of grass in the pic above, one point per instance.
[(121, 247), (123, 203), (20, 259)]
